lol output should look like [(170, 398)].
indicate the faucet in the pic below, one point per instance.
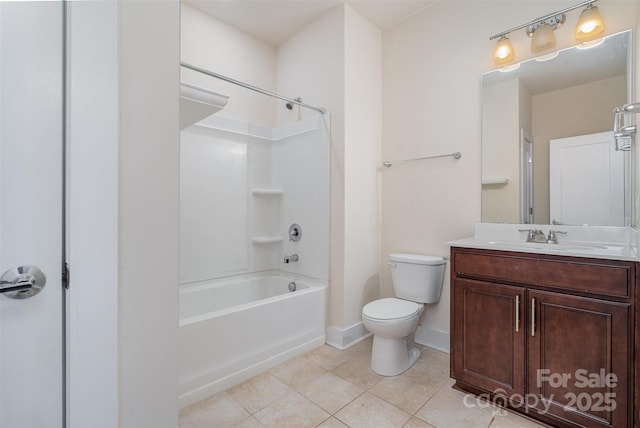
[(291, 258), (535, 235), (551, 239)]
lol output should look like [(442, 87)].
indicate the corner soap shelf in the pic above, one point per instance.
[(266, 240), (267, 192), (495, 180)]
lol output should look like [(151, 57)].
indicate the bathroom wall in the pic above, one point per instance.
[(363, 127), (335, 62), (311, 65), (213, 45), (432, 64), (148, 213)]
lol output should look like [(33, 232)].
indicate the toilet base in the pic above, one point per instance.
[(390, 357)]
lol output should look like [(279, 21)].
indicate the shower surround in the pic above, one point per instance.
[(242, 186)]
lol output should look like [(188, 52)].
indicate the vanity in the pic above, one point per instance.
[(544, 316), (548, 330)]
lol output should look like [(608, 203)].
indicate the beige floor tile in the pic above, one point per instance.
[(293, 410), (358, 371), (332, 423), (259, 391), (506, 419), (426, 370), (249, 422), (434, 356), (447, 410), (328, 357), (331, 392), (404, 393), (297, 372), (447, 384), (417, 423), (369, 411), (220, 410)]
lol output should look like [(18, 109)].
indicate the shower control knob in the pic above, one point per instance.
[(295, 232)]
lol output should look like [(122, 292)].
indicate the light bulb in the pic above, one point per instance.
[(590, 24), (503, 53)]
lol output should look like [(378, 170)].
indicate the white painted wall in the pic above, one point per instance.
[(213, 45), (311, 65), (148, 213), (363, 123), (335, 62), (431, 105)]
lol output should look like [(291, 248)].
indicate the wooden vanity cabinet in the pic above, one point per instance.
[(549, 333)]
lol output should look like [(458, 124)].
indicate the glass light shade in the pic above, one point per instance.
[(543, 38), (590, 24), (503, 53)]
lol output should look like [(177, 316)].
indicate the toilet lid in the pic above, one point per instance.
[(391, 308)]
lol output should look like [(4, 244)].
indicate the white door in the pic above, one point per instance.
[(586, 181), (31, 151)]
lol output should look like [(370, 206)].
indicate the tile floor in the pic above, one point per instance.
[(329, 388)]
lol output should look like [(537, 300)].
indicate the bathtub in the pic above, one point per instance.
[(233, 329)]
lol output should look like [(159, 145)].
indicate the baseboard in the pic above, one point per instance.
[(347, 337), (433, 338)]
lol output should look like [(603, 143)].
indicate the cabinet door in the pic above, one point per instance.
[(578, 359), (488, 336)]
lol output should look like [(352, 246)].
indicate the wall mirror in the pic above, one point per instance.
[(548, 155)]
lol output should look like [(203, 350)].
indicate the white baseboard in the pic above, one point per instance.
[(433, 338), (347, 337)]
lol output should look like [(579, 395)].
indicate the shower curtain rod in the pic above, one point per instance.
[(253, 88)]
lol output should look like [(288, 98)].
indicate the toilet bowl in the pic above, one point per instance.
[(392, 322), (417, 280)]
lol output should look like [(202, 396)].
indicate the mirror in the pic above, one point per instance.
[(544, 125)]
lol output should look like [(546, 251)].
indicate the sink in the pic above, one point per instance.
[(564, 247), (568, 246), (614, 243)]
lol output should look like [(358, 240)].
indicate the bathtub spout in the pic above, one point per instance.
[(291, 258)]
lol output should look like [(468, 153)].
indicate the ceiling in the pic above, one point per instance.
[(274, 21)]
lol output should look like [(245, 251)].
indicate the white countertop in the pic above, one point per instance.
[(612, 243)]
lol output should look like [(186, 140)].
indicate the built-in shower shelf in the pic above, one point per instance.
[(265, 240), (267, 192), (495, 180)]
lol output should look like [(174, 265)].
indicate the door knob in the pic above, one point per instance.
[(22, 282)]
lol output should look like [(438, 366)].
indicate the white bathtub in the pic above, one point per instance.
[(233, 329)]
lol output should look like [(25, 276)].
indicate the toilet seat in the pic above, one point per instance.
[(390, 309)]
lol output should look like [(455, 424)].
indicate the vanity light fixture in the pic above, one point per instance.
[(541, 30), (590, 24), (504, 53)]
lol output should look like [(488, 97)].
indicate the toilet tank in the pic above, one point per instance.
[(417, 277)]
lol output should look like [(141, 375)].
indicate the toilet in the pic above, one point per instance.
[(417, 279)]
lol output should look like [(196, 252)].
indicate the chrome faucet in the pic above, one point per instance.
[(291, 258), (551, 239), (535, 235)]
